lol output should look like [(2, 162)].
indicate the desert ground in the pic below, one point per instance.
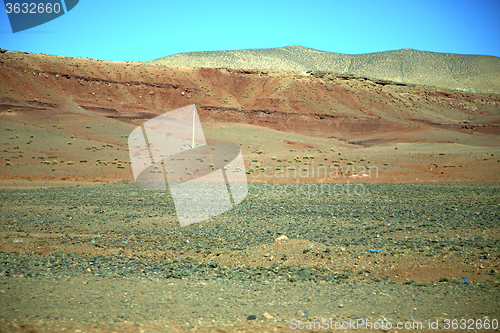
[(388, 195)]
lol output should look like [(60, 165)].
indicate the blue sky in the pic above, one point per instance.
[(125, 30)]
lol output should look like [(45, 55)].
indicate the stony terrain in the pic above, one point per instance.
[(109, 254), (387, 193)]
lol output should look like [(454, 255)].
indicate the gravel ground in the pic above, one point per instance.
[(110, 254), (332, 219)]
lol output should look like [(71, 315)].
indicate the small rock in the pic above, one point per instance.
[(341, 305), (251, 317), (267, 316), (301, 313), (342, 248), (266, 255), (280, 238)]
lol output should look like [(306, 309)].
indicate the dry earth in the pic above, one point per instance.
[(56, 110)]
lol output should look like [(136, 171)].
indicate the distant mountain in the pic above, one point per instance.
[(473, 73)]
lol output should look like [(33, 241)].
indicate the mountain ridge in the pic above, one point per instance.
[(470, 73)]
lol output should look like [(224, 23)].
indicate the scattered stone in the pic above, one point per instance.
[(408, 281), (251, 317), (281, 238), (341, 305), (267, 316), (301, 314)]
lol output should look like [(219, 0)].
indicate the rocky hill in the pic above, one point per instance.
[(470, 73)]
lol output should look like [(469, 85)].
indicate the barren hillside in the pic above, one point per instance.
[(85, 108), (472, 73)]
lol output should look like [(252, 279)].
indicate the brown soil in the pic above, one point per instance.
[(406, 134)]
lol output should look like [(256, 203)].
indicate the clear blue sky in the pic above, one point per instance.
[(125, 30)]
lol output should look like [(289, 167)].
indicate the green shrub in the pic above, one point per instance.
[(7, 163)]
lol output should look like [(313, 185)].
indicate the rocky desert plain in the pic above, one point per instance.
[(371, 200)]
